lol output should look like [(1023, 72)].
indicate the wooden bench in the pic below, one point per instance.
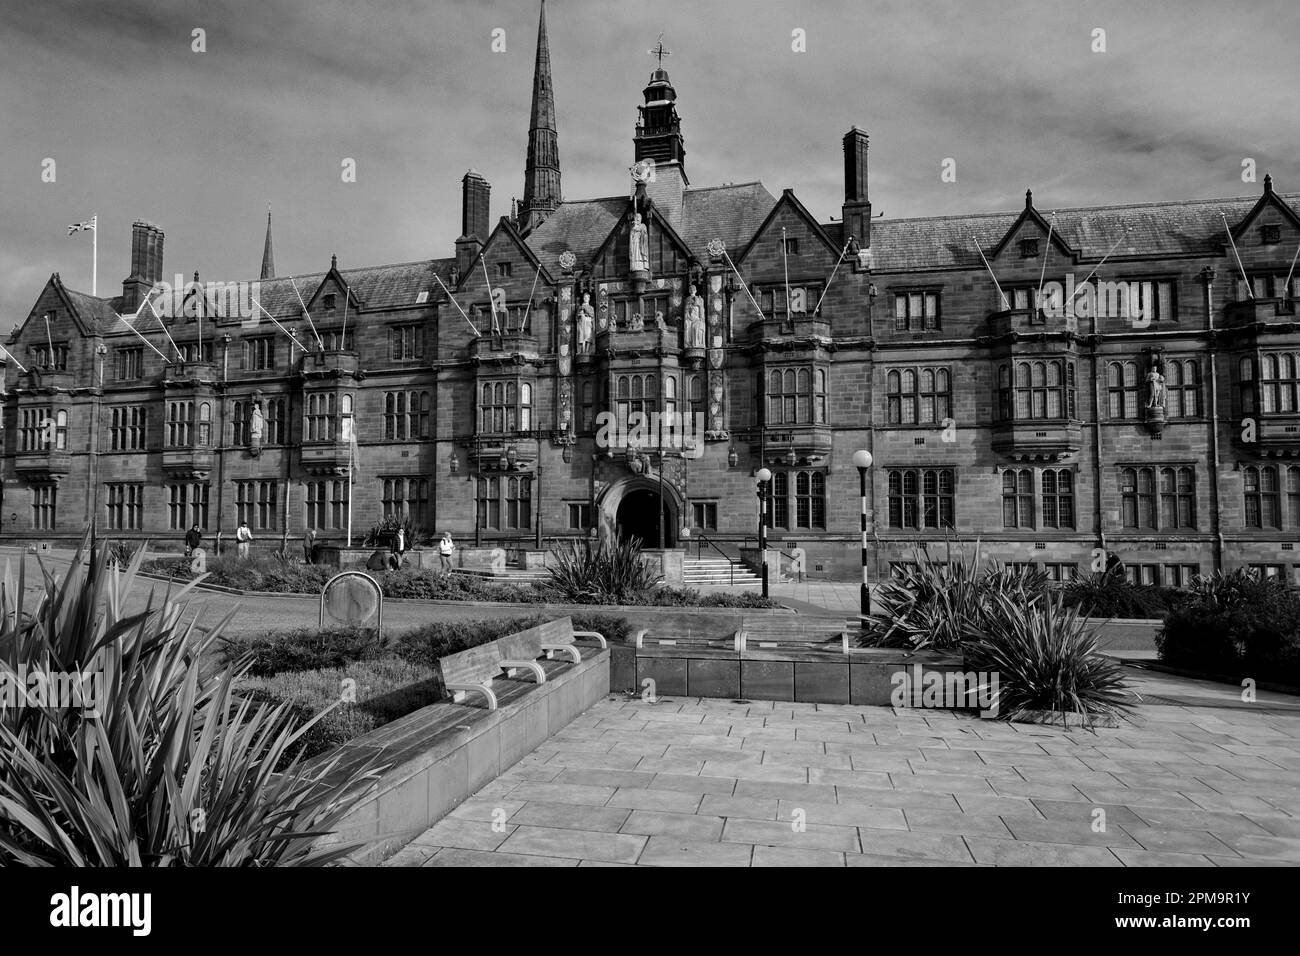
[(693, 641), (796, 633), (472, 671)]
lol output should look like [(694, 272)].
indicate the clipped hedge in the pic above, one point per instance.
[(282, 576), (1236, 626)]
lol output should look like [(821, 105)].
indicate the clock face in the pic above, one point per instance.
[(644, 171)]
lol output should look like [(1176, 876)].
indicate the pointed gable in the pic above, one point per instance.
[(1032, 225), (814, 244), (669, 253), (328, 297), (1269, 201)]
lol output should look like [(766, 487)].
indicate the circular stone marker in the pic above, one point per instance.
[(351, 597)]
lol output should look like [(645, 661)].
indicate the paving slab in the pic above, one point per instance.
[(691, 782), (576, 844)]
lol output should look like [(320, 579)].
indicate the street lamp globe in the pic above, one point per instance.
[(764, 475), (862, 459)]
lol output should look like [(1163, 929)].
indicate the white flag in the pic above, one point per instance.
[(88, 225)]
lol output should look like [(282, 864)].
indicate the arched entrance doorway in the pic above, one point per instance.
[(629, 508), (638, 517)]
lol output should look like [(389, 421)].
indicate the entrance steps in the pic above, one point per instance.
[(717, 572)]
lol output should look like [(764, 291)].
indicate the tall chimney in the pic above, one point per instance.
[(857, 207), (474, 217), (155, 254), (136, 284)]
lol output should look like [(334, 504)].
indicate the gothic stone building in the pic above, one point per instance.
[(474, 393)]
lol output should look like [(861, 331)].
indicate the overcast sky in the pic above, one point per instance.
[(142, 127)]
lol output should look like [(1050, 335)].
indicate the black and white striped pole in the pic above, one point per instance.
[(763, 476), (862, 461)]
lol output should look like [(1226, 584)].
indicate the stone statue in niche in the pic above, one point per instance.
[(635, 324), (1156, 386), (694, 315), (586, 323), (638, 251), (256, 424), (659, 322)]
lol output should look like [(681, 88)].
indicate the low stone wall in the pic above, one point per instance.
[(864, 676), (1126, 634), (430, 773)]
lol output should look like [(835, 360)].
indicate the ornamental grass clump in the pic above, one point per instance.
[(608, 573), (936, 604), (172, 765), (1046, 659)]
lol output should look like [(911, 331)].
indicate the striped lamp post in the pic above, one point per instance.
[(862, 461)]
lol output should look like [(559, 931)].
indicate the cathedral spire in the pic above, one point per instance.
[(268, 255), (542, 169)]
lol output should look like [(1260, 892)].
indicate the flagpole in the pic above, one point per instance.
[(94, 256)]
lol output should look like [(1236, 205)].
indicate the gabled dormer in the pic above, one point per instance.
[(1257, 226), (669, 254), (789, 243), (332, 296), (506, 289), (1031, 236)]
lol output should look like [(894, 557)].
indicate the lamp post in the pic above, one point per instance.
[(862, 461), (763, 476)]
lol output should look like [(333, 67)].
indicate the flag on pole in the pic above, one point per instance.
[(87, 226)]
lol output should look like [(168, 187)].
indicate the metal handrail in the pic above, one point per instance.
[(702, 540)]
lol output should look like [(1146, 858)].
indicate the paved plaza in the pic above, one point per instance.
[(1200, 779)]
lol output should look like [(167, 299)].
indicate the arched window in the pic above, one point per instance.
[(205, 423), (526, 407)]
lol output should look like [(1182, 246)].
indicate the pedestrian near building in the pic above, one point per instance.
[(309, 547), (797, 559), (193, 538), (446, 548), (243, 537)]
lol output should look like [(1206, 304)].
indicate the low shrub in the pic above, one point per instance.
[(1046, 659), (1236, 625), (381, 690), (1107, 594), (304, 649), (425, 644)]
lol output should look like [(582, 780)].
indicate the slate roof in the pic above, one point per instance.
[(581, 226), (730, 213), (1192, 227)]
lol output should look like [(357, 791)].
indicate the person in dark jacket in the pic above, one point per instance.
[(193, 538)]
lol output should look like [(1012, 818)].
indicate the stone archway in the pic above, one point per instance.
[(629, 507)]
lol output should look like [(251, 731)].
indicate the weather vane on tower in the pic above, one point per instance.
[(660, 52)]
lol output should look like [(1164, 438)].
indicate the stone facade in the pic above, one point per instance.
[(457, 391)]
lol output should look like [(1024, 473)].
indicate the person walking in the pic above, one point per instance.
[(309, 547), (446, 548), (243, 536), (193, 538)]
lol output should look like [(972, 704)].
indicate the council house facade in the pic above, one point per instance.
[(625, 364)]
